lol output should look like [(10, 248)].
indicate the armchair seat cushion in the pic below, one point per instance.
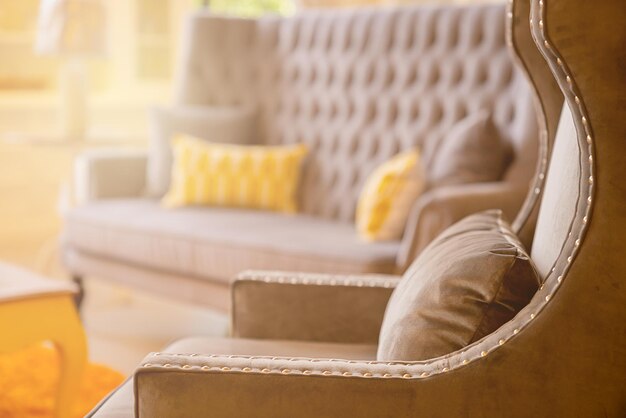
[(273, 348), (120, 403), (221, 242)]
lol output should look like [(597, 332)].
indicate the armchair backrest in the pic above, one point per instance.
[(582, 194), (577, 320), (549, 102), (359, 86)]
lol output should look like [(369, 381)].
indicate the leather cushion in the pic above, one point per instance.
[(472, 152), (467, 283)]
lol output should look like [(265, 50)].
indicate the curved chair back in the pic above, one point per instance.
[(579, 315), (548, 103)]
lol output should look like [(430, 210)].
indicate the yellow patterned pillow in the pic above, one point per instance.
[(245, 176), (387, 197)]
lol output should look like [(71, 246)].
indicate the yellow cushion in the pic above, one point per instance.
[(245, 176), (387, 197)]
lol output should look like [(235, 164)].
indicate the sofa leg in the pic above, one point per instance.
[(78, 299)]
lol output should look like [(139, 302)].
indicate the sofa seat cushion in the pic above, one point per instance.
[(120, 403), (218, 243)]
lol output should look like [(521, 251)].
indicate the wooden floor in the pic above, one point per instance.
[(122, 325)]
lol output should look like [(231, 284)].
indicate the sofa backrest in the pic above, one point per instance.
[(358, 86)]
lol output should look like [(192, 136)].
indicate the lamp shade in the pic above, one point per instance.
[(71, 27)]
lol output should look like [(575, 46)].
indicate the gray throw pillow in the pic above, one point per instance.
[(468, 282), (235, 125), (474, 151)]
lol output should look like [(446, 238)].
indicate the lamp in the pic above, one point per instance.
[(72, 30)]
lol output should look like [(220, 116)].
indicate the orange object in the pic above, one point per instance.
[(28, 318), (29, 383)]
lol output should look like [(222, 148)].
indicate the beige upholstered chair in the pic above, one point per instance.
[(564, 355)]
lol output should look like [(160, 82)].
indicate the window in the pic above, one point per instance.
[(20, 68), (154, 40), (250, 8)]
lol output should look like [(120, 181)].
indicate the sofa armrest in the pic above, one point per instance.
[(311, 307), (439, 208), (102, 174), (190, 385)]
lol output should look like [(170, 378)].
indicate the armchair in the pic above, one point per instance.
[(563, 355)]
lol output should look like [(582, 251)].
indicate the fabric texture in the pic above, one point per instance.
[(240, 176), (203, 291), (106, 173), (359, 87), (387, 197), (559, 206), (120, 403), (572, 335), (468, 282), (437, 209), (353, 306), (216, 244), (474, 151), (223, 124), (253, 347)]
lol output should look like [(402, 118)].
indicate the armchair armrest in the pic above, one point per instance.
[(439, 208), (102, 174), (190, 385), (312, 307)]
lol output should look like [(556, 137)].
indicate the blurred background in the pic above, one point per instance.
[(125, 74), (77, 75)]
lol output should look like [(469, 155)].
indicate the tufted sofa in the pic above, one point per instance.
[(357, 87)]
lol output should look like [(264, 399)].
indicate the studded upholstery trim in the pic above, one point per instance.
[(280, 277)]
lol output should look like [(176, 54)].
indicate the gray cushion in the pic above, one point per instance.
[(467, 283), (472, 152), (218, 243), (235, 124)]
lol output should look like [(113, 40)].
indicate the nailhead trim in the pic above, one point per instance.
[(376, 281)]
